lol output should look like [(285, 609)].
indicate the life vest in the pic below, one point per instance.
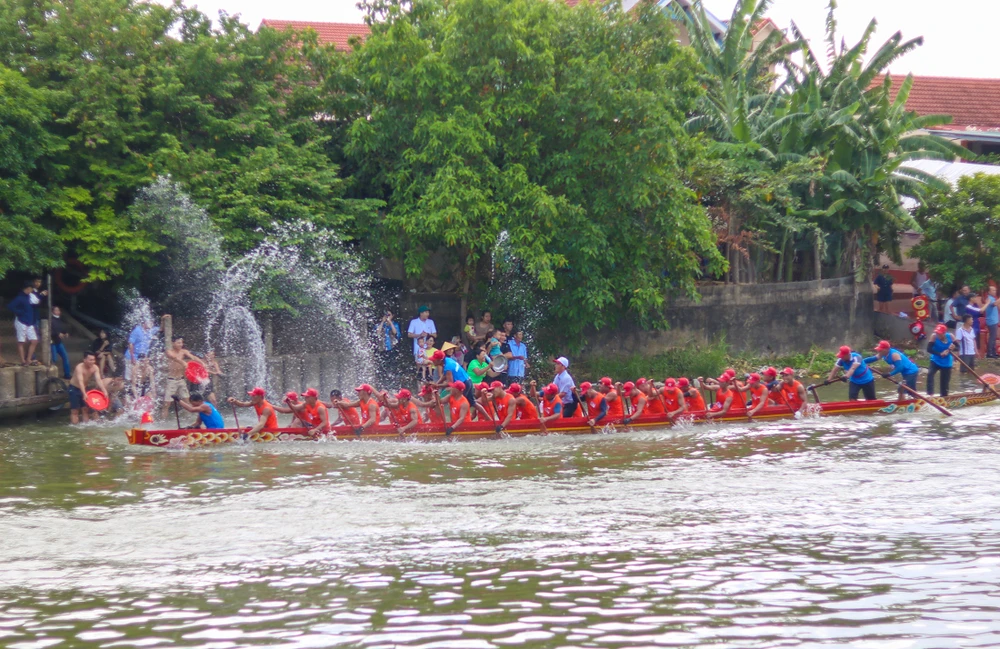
[(549, 405), (312, 415), (455, 406), (694, 402), (672, 399), (594, 405), (616, 409), (653, 404), (757, 394), (350, 416), (405, 414), (502, 406), (791, 394), (272, 421), (722, 395), (365, 409), (434, 416), (525, 409)]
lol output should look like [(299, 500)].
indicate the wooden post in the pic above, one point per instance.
[(45, 340), (8, 390), (167, 326), (268, 334)]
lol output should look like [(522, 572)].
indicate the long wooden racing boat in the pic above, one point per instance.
[(192, 438)]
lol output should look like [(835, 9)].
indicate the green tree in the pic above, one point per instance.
[(961, 243), (561, 127), (25, 243)]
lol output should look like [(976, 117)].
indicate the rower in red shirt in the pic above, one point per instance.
[(673, 399), (404, 413), (461, 411), (312, 412), (692, 396), (597, 407), (523, 406), (266, 417), (792, 392), (758, 394), (638, 399), (503, 406), (550, 404), (367, 406), (725, 396), (431, 407), (616, 408), (654, 406)]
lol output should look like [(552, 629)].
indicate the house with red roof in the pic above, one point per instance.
[(973, 104), (340, 35)]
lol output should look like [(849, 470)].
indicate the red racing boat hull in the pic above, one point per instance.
[(192, 438)]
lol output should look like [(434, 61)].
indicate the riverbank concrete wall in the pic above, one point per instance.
[(763, 318)]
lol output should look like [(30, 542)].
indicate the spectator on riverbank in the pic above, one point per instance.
[(485, 326), (101, 346), (992, 317), (950, 316), (421, 327), (388, 335), (919, 277), (518, 364), (58, 333), (965, 336), (883, 296), (929, 290), (24, 324), (975, 309)]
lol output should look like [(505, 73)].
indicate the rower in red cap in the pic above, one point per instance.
[(291, 400), (366, 404), (404, 412), (461, 411), (266, 417), (899, 363), (758, 394), (593, 400), (503, 406), (638, 398), (550, 403), (434, 412), (859, 377), (693, 400), (525, 408), (792, 393), (673, 399), (725, 396), (311, 412), (939, 347), (612, 397)]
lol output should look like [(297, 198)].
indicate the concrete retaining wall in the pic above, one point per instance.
[(766, 318)]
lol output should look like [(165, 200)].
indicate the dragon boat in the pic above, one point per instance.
[(193, 438)]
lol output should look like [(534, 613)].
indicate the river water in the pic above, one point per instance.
[(874, 532)]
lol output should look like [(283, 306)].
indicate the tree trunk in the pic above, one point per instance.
[(781, 258), (818, 256), (790, 262)]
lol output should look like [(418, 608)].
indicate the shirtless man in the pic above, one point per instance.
[(84, 373), (177, 360), (214, 370)]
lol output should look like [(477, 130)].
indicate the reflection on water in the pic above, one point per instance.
[(871, 533)]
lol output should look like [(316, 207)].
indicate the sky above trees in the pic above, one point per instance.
[(956, 40)]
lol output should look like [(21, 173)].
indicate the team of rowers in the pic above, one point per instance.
[(454, 400)]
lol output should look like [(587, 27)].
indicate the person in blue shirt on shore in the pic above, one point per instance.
[(859, 377), (992, 314), (939, 348), (898, 362)]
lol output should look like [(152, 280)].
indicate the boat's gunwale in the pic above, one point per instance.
[(521, 428)]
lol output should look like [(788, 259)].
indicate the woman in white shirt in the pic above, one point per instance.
[(965, 336)]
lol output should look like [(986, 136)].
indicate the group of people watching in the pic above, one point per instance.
[(488, 353)]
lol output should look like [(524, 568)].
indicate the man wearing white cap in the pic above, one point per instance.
[(565, 383)]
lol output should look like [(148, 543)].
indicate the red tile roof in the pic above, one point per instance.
[(974, 104), (337, 34)]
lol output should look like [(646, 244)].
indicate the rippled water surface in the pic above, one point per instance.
[(881, 533)]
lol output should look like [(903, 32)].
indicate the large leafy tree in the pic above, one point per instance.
[(559, 127), (25, 244), (156, 90), (961, 243)]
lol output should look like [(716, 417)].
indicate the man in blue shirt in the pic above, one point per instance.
[(24, 324), (858, 375), (939, 348), (451, 371), (898, 363), (518, 359), (992, 314)]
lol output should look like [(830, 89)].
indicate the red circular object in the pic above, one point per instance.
[(991, 379), (59, 277), (96, 400), (196, 372)]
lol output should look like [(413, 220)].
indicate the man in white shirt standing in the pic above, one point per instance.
[(966, 338), (421, 327), (565, 383)]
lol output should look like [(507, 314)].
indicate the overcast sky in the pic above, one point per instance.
[(958, 34)]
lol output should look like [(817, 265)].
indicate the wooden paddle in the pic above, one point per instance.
[(177, 413), (584, 409), (812, 387), (235, 416), (973, 372), (944, 411)]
